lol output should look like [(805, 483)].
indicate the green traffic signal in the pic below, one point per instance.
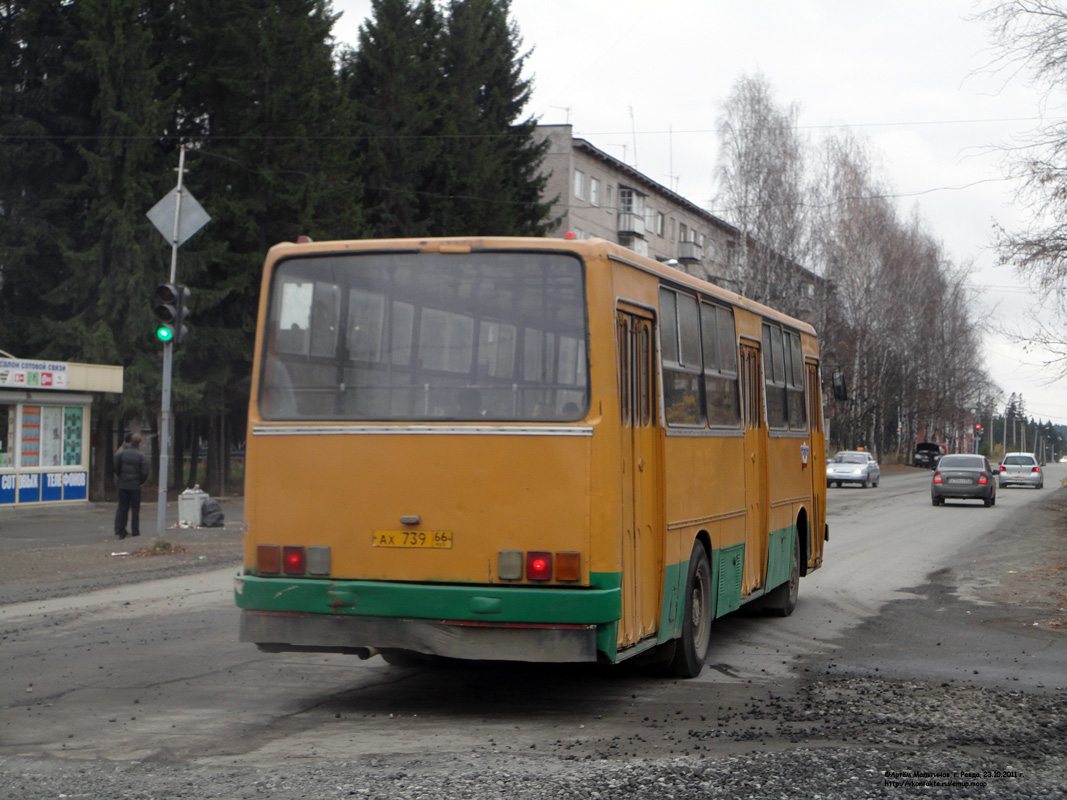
[(170, 300)]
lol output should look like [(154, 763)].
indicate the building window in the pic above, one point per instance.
[(631, 202), (594, 191), (579, 184), (670, 227), (683, 233), (659, 223), (609, 196)]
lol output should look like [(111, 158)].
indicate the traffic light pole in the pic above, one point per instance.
[(168, 367)]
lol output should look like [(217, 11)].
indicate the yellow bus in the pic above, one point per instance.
[(546, 450)]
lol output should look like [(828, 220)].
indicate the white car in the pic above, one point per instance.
[(1020, 469), (853, 466)]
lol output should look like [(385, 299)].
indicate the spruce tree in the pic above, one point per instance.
[(75, 238), (488, 172), (392, 80), (36, 126), (260, 106)]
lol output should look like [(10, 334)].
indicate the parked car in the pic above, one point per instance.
[(1021, 469), (927, 454), (853, 466), (964, 477)]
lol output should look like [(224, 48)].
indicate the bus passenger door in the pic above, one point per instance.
[(756, 497), (641, 550), (816, 465)]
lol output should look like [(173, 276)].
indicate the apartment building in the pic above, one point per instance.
[(597, 195), (601, 196)]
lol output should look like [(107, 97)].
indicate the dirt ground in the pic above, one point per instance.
[(66, 551), (1029, 572)]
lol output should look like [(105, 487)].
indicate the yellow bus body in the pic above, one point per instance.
[(622, 507)]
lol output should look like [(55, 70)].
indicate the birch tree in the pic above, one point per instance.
[(760, 176), (1031, 36)]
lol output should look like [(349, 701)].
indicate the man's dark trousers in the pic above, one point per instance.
[(129, 502)]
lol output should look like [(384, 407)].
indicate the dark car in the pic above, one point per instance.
[(927, 455), (964, 477)]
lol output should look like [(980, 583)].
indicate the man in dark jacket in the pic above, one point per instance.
[(131, 470)]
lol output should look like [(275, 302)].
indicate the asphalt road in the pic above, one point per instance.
[(149, 674)]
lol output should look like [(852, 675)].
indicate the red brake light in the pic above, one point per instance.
[(538, 565), (937, 477), (294, 561), (1036, 469), (982, 478)]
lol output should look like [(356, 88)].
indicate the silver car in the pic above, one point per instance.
[(1020, 469), (853, 466)]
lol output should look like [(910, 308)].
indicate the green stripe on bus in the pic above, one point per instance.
[(780, 556), (520, 604)]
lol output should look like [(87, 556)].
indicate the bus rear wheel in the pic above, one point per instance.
[(692, 649)]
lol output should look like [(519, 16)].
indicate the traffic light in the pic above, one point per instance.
[(171, 310), (977, 428)]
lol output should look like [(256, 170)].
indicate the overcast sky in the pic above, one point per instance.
[(644, 80)]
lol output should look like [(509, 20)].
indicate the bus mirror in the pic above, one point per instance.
[(840, 387)]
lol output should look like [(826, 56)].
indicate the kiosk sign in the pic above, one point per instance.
[(33, 374)]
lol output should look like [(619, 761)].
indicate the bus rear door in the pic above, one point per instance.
[(642, 549), (755, 456)]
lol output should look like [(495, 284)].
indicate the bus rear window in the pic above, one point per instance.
[(426, 336)]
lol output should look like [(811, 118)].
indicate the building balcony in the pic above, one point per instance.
[(631, 224), (689, 251)]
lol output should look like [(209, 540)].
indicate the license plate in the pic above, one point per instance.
[(960, 480), (432, 540)]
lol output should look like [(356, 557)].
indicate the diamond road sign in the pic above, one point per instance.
[(193, 216)]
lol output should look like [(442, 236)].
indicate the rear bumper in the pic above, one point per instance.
[(960, 492), (275, 632), (482, 622), (1018, 480)]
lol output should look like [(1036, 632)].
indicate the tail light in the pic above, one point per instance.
[(982, 478), (294, 560), (568, 566), (268, 559), (564, 566), (538, 565), (937, 477), (1036, 469)]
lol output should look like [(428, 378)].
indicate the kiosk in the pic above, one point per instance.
[(44, 428)]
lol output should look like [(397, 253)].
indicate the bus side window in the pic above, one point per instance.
[(623, 333), (720, 366), (680, 334)]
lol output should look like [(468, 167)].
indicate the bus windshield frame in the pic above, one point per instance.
[(391, 336)]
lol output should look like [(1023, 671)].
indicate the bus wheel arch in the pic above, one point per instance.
[(691, 649)]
